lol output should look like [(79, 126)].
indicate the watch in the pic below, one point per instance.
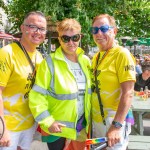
[(117, 124)]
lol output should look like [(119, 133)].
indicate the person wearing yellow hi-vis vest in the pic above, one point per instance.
[(60, 99)]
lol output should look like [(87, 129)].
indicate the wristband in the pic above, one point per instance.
[(117, 124)]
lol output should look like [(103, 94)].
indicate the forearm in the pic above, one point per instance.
[(1, 107), (1, 103), (123, 108), (113, 133), (127, 92), (38, 105)]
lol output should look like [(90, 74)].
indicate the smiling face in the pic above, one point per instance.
[(29, 36), (105, 40)]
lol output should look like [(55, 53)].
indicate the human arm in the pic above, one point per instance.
[(127, 90), (39, 100), (5, 141)]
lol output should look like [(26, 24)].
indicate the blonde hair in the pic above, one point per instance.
[(68, 24), (111, 19)]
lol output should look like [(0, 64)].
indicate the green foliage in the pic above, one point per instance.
[(2, 4), (17, 9), (132, 16)]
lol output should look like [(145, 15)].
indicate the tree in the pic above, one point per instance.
[(2, 5), (17, 10), (132, 16)]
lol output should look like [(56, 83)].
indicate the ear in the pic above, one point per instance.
[(115, 31), (22, 28)]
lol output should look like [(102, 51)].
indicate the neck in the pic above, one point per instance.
[(103, 50), (28, 47), (72, 57), (106, 49)]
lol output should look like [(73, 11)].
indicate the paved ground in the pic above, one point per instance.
[(38, 145)]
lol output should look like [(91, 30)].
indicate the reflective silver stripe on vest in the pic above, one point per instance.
[(51, 68), (42, 116), (39, 89), (89, 91), (64, 96), (68, 124), (56, 96)]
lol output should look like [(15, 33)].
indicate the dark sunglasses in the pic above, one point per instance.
[(74, 38), (104, 29)]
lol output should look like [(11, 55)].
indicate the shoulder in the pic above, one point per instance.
[(121, 50), (7, 50), (39, 54), (123, 53), (85, 57), (95, 57), (10, 48)]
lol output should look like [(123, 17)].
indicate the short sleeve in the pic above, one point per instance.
[(125, 66), (5, 65)]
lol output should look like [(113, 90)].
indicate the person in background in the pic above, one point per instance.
[(138, 68), (18, 63), (143, 79), (60, 97), (113, 71)]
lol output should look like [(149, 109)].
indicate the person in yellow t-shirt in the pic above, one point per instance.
[(18, 63), (113, 71)]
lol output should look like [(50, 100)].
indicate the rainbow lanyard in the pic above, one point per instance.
[(96, 140)]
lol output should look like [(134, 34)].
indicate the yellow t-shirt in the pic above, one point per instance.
[(15, 76), (117, 66)]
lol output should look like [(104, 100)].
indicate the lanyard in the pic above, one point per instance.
[(28, 58), (98, 62), (96, 85)]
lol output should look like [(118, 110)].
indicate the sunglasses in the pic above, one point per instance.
[(74, 38), (104, 29)]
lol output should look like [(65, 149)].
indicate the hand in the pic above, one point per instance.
[(113, 136), (5, 141), (56, 127)]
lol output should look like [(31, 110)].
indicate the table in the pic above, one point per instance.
[(138, 142), (140, 107)]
